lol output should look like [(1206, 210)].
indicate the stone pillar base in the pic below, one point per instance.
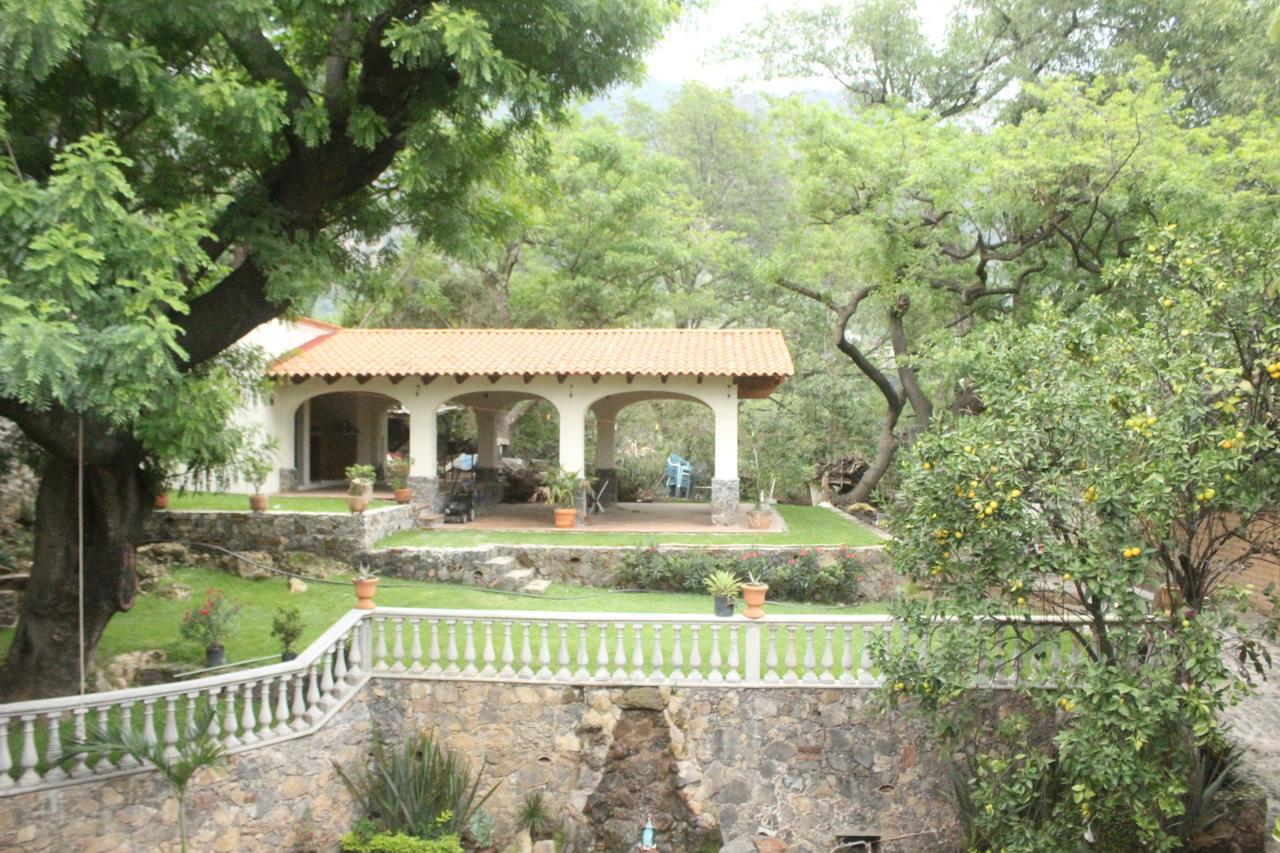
[(426, 490), (610, 495), (725, 511), (488, 487), (289, 479)]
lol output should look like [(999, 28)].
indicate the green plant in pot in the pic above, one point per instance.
[(256, 466), (397, 467), (360, 479), (723, 586), (210, 624), (287, 627), (560, 487)]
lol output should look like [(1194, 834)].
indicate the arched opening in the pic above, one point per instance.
[(494, 444), (652, 447), (342, 428)]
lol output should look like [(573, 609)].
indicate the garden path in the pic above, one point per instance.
[(1255, 723)]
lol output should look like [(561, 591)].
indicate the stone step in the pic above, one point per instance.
[(538, 587), (501, 563), (516, 578)]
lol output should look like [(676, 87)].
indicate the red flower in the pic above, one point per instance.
[(791, 562)]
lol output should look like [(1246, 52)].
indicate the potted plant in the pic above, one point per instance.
[(761, 517), (753, 593), (257, 467), (360, 478), (287, 628), (560, 487), (397, 467), (723, 585), (365, 585), (210, 624), (158, 482)]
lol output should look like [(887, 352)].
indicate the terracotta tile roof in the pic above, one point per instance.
[(513, 352)]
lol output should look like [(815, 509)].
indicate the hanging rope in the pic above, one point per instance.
[(80, 540)]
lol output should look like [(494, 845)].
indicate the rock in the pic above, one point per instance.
[(174, 590), (545, 846), (522, 843), (311, 565), (123, 670), (641, 699), (250, 565), (296, 585), (10, 604), (772, 845), (739, 845)]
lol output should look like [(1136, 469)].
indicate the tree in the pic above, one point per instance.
[(182, 174), (1116, 448)]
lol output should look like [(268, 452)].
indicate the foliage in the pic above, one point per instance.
[(534, 815), (422, 789), (397, 468), (808, 576), (258, 461), (287, 626), (212, 622), (1111, 448), (722, 582), (481, 827), (366, 839), (559, 487), (195, 751), (360, 478)]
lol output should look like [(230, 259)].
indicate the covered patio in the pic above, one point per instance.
[(404, 377)]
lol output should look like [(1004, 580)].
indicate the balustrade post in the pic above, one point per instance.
[(6, 759), (752, 636)]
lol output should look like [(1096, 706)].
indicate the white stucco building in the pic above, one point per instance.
[(343, 396)]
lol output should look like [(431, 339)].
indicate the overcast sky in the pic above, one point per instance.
[(687, 52)]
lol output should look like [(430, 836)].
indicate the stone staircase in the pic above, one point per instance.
[(505, 573)]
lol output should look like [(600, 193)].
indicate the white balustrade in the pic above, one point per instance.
[(248, 709)]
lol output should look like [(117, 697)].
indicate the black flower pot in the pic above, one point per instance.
[(285, 657), (214, 656), (724, 606)]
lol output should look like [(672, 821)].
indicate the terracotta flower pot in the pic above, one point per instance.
[(357, 503), (258, 503), (759, 519), (162, 500), (566, 516), (753, 596), (365, 588), (403, 496)]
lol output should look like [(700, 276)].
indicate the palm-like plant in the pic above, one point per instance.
[(423, 789), (195, 752)]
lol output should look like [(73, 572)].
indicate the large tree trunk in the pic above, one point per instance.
[(44, 658)]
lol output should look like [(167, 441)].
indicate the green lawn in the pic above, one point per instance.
[(153, 621), (231, 501), (807, 525)]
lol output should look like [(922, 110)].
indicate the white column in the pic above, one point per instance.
[(487, 438), (573, 439), (304, 469), (422, 435), (726, 412)]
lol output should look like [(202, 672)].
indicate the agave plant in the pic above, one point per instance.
[(193, 753), (422, 789)]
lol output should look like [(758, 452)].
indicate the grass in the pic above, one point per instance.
[(153, 621), (807, 525), (278, 503)]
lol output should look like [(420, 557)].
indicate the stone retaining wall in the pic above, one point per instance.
[(712, 766), (596, 565), (281, 797), (343, 536)]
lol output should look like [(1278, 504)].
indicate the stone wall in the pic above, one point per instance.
[(596, 565), (714, 767), (343, 536), (274, 798)]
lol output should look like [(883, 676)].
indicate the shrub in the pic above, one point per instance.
[(423, 789), (361, 840), (287, 626), (212, 622), (805, 575)]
